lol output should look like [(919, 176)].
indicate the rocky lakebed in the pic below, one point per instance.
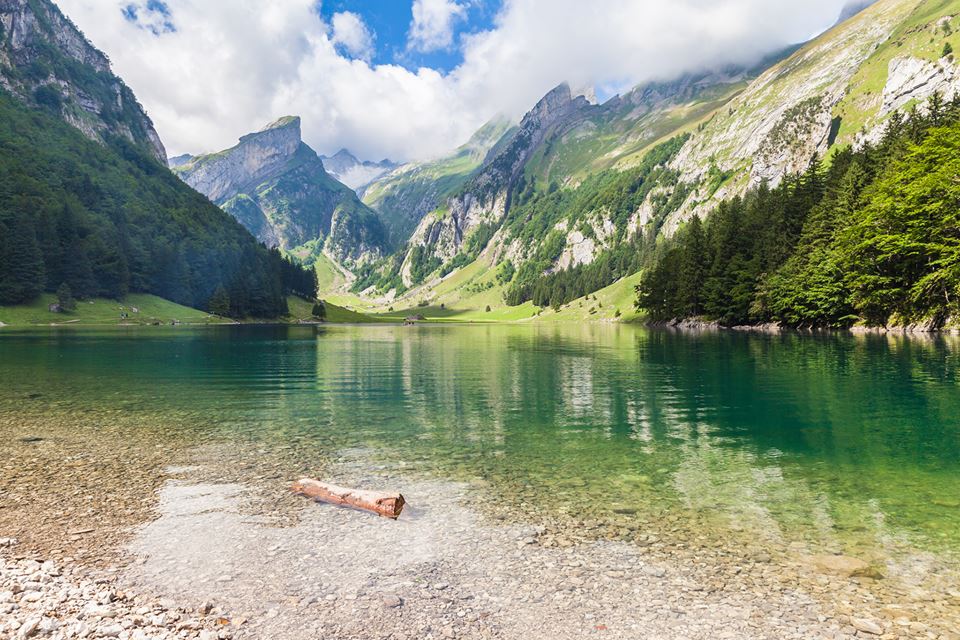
[(110, 538)]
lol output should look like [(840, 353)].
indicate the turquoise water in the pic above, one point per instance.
[(844, 443)]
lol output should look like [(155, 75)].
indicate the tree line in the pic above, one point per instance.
[(874, 238)]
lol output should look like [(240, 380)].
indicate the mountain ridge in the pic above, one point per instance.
[(685, 145)]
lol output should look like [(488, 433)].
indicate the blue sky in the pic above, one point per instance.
[(390, 20)]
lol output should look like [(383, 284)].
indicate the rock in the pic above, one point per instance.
[(655, 572), (278, 188), (866, 626), (109, 631), (29, 628), (840, 565), (205, 608), (392, 602)]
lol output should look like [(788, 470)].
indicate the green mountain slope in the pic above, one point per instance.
[(45, 61), (406, 195), (86, 205), (874, 240)]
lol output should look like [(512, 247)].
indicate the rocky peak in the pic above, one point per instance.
[(558, 103), (283, 136), (258, 156), (344, 155), (42, 60)]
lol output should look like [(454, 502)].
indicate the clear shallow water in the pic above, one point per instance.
[(845, 443)]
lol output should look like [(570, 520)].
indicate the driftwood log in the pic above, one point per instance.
[(388, 505)]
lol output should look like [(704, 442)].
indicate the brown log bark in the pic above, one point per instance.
[(388, 505)]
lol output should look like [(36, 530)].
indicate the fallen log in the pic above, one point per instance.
[(387, 505)]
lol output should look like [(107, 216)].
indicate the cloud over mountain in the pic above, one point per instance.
[(210, 71)]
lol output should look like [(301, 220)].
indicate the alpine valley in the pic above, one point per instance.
[(579, 210), (595, 359)]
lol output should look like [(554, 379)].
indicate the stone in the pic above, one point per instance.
[(392, 602), (840, 565), (29, 628), (109, 631), (866, 626), (655, 572)]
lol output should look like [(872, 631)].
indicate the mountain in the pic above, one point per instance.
[(479, 207), (87, 204), (277, 187), (404, 196), (46, 62), (593, 188), (345, 167)]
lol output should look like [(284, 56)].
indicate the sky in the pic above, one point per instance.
[(410, 79)]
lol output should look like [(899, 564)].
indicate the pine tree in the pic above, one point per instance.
[(219, 304), (65, 298), (320, 310), (22, 263)]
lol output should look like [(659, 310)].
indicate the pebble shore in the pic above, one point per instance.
[(47, 600)]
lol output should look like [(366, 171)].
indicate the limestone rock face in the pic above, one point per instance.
[(47, 62), (407, 194), (786, 116), (276, 186), (911, 78), (259, 156)]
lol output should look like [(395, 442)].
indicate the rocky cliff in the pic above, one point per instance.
[(824, 94), (47, 62), (277, 187)]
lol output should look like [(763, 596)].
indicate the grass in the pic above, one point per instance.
[(452, 301), (601, 306), (329, 276), (301, 309), (104, 312)]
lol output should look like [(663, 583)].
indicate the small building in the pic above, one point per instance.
[(55, 308)]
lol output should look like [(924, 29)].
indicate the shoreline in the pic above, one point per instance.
[(694, 325)]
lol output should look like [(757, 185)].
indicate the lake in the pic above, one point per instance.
[(800, 444), (838, 439)]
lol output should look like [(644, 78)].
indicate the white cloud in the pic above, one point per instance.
[(352, 34), (433, 23), (231, 66)]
